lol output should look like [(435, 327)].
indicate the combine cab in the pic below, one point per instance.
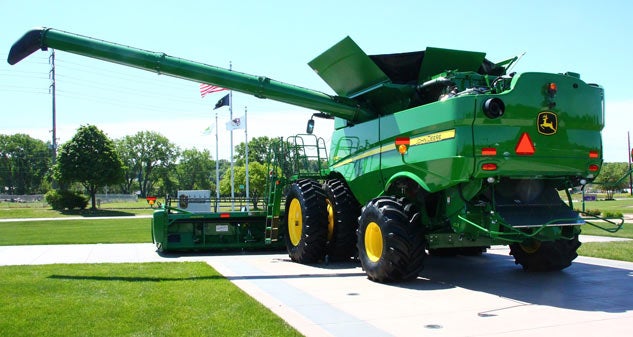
[(440, 151)]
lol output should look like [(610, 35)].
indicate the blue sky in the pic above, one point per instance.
[(277, 39)]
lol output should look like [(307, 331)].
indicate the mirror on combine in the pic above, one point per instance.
[(310, 127)]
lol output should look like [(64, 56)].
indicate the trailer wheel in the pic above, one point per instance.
[(545, 255), (307, 222), (391, 245), (342, 211)]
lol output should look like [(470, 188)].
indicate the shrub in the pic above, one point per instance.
[(613, 214), (594, 212), (61, 200)]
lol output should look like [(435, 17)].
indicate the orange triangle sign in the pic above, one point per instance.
[(525, 147)]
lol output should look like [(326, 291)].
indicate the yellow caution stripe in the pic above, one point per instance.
[(420, 140)]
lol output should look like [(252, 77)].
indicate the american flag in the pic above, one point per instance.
[(208, 88)]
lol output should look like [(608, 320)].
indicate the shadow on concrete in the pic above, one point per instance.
[(581, 286)]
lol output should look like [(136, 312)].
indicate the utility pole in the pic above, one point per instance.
[(630, 154), (231, 159), (217, 166), (248, 197), (51, 89)]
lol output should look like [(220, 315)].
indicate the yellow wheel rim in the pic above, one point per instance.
[(330, 219), (295, 222), (531, 247), (373, 242)]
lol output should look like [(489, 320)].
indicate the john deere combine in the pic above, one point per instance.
[(438, 151)]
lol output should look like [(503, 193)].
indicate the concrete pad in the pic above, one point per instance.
[(485, 295)]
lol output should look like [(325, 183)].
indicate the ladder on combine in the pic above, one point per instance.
[(273, 209), (300, 156), (276, 182)]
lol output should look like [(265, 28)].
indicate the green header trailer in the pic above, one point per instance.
[(436, 151), (175, 227)]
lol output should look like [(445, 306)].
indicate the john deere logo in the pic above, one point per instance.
[(547, 123)]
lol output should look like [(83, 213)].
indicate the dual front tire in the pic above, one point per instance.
[(321, 221)]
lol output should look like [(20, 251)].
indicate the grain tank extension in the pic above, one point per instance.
[(440, 151)]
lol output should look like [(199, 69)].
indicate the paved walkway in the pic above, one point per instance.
[(467, 296)]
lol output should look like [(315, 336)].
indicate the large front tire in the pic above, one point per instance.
[(391, 244), (307, 222), (545, 256)]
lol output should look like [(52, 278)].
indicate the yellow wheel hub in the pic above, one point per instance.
[(330, 219), (295, 222), (373, 242)]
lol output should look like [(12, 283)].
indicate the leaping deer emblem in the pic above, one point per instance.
[(547, 123)]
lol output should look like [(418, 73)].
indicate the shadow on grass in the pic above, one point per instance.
[(134, 278), (88, 213)]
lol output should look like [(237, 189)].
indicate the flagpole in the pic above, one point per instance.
[(232, 172), (246, 146), (204, 90), (217, 165)]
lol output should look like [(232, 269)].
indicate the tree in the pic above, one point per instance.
[(258, 177), (24, 162), (148, 155), (258, 150), (90, 159), (613, 177), (125, 151), (195, 171)]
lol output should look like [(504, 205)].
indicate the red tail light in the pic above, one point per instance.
[(488, 151), (489, 166)]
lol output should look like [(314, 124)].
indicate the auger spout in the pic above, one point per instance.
[(161, 63)]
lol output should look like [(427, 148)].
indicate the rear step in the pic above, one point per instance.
[(545, 208)]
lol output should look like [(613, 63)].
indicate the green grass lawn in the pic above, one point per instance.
[(625, 232), (10, 210), (148, 299), (79, 231), (622, 204), (621, 250)]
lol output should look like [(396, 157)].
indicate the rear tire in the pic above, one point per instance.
[(391, 245), (343, 211), (545, 256), (306, 222)]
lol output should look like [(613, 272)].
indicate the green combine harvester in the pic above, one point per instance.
[(437, 151)]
